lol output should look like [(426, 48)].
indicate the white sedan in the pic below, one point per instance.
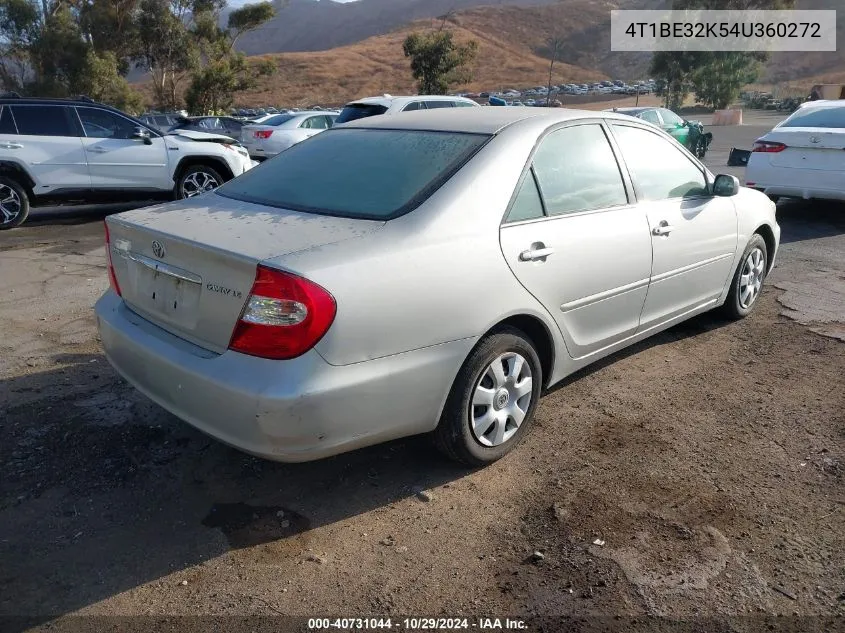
[(277, 133), (803, 155)]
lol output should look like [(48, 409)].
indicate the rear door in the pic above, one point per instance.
[(115, 159), (577, 242), (48, 143), (693, 234)]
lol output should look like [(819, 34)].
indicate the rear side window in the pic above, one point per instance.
[(433, 105), (527, 205), (7, 123), (650, 116), (324, 174), (414, 105), (577, 171), (355, 111), (817, 117), (463, 104), (38, 120), (315, 123)]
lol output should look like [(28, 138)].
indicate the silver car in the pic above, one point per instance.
[(425, 272)]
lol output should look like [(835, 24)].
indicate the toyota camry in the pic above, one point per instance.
[(429, 272)]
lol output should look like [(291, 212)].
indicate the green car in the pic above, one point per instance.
[(690, 134)]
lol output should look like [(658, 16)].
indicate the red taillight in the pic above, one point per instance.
[(284, 317), (262, 133), (112, 279), (768, 147)]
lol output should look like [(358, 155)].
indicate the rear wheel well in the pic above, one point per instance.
[(217, 164), (18, 174), (765, 231), (539, 335)]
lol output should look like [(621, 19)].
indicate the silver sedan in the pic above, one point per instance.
[(430, 272)]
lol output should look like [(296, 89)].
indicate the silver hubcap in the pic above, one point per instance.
[(10, 204), (751, 280), (501, 399), (197, 183)]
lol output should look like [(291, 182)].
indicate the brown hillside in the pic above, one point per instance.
[(377, 65)]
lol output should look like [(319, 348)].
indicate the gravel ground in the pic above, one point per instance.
[(697, 476)]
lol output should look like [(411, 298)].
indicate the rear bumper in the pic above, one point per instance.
[(292, 411), (794, 182)]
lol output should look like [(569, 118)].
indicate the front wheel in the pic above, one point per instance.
[(14, 203), (492, 402), (700, 148), (197, 179), (748, 279)]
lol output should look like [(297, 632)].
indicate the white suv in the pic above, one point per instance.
[(388, 104), (52, 150)]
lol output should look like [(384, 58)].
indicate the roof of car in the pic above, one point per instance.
[(487, 120), (631, 110), (387, 100), (40, 101)]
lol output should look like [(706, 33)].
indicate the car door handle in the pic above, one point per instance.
[(11, 146), (97, 150), (533, 254), (664, 228)]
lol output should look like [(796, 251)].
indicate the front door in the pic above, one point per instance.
[(115, 159), (575, 242), (693, 234)]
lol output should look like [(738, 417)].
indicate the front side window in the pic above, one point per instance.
[(577, 171), (670, 118), (103, 124), (43, 120), (658, 166), (324, 175), (650, 116)]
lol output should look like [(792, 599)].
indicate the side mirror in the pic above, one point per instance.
[(142, 134), (725, 185)]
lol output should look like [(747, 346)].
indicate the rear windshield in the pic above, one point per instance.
[(817, 117), (359, 111), (357, 173), (277, 120)]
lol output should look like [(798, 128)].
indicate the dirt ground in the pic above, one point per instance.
[(695, 477)]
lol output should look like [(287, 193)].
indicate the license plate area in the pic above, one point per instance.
[(169, 293)]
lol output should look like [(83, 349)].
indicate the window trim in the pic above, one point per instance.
[(708, 176), (529, 166)]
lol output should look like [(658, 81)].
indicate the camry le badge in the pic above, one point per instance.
[(158, 249)]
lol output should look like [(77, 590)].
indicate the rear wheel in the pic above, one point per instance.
[(14, 203), (700, 148), (197, 179), (748, 279), (492, 402)]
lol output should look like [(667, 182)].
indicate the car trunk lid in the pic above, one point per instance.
[(809, 148), (189, 267)]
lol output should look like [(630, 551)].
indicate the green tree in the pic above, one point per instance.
[(225, 72), (101, 80), (716, 77), (437, 61), (20, 25)]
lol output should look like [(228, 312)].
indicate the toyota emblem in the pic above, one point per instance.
[(158, 249)]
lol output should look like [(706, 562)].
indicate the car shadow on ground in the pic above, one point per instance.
[(809, 219), (80, 213), (101, 492)]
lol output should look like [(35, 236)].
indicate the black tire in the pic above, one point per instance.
[(454, 435), (14, 203), (198, 173), (734, 307), (700, 147)]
